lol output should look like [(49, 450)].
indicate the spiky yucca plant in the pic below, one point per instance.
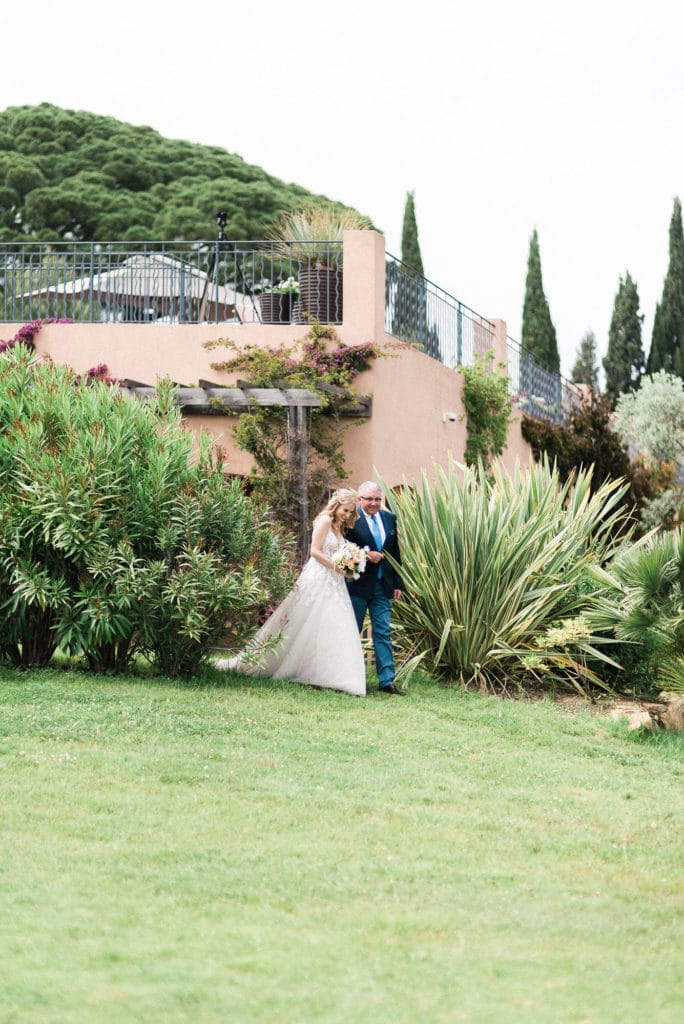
[(490, 564), (307, 233)]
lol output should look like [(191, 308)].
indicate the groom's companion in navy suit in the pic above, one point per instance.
[(380, 584)]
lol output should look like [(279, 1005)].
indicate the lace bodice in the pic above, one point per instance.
[(331, 544), (318, 582)]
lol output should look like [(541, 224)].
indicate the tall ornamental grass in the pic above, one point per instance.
[(118, 537), (494, 569)]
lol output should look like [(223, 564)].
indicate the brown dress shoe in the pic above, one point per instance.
[(391, 689)]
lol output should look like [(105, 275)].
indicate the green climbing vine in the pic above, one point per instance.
[(488, 410)]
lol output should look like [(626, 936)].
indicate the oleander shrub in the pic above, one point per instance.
[(117, 536), (494, 567)]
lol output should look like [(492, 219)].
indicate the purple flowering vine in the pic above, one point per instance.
[(98, 373), (310, 359), (26, 334)]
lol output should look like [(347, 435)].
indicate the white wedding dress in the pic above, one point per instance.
[(320, 643)]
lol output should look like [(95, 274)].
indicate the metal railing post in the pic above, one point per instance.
[(91, 289), (459, 335)]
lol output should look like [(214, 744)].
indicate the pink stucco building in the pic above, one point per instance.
[(417, 418)]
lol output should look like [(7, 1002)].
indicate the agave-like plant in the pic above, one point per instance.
[(491, 562), (313, 233)]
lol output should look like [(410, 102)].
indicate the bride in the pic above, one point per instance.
[(319, 642)]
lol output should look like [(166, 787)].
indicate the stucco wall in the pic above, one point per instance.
[(407, 432)]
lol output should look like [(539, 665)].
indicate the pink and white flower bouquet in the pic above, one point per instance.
[(351, 559)]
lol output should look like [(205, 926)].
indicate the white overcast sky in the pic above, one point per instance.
[(501, 116)]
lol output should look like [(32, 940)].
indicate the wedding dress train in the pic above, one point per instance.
[(320, 643)]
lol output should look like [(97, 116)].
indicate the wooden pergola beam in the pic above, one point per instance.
[(211, 399)]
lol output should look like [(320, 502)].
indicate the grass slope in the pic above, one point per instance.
[(262, 852)]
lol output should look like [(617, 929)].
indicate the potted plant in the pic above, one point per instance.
[(313, 236), (277, 302)]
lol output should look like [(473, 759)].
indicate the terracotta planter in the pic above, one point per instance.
[(276, 307), (320, 294)]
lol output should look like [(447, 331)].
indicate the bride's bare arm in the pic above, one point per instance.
[(320, 532)]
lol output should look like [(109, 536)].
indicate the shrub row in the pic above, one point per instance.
[(525, 578), (119, 536)]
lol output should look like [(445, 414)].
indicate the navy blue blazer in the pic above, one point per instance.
[(360, 534)]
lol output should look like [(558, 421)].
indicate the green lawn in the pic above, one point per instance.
[(254, 851)]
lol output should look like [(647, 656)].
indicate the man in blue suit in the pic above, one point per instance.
[(380, 584)]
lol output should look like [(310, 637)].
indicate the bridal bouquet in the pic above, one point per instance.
[(351, 559)]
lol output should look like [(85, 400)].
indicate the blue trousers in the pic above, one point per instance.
[(379, 607)]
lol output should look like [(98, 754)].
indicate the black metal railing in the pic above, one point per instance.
[(536, 391), (193, 282), (420, 313)]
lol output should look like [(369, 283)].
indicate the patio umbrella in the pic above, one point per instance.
[(148, 286)]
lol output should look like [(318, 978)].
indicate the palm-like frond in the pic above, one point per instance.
[(641, 600), (672, 675)]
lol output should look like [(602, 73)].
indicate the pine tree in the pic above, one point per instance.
[(538, 333), (585, 370), (624, 361), (410, 249), (667, 342)]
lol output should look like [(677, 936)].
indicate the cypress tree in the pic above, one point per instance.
[(624, 361), (585, 370), (667, 342), (410, 250), (407, 290), (538, 333)]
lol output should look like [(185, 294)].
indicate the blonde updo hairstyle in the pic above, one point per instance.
[(333, 509)]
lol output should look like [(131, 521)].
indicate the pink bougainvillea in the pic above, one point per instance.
[(26, 335)]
